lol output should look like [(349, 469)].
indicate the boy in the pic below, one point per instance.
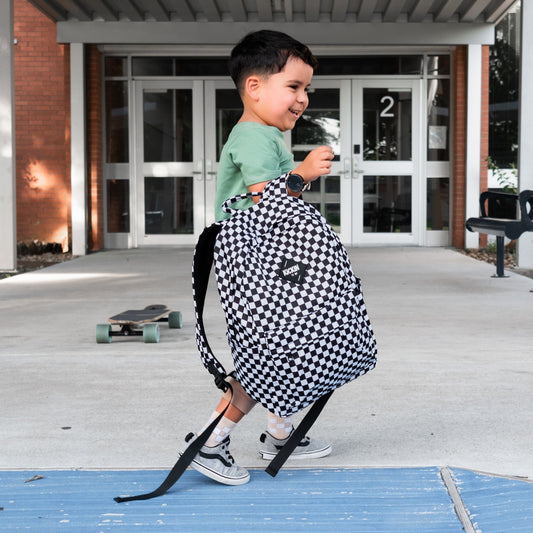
[(272, 73)]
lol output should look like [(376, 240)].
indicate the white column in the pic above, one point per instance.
[(525, 136), (8, 197), (78, 149), (473, 140)]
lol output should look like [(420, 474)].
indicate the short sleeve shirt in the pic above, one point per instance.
[(252, 154)]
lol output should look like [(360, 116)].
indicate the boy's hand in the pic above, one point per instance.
[(317, 163)]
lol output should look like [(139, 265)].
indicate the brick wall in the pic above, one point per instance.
[(95, 200), (459, 140), (42, 128)]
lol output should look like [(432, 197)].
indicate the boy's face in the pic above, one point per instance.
[(282, 97)]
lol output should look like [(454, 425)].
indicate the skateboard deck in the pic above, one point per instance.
[(138, 322), (139, 316)]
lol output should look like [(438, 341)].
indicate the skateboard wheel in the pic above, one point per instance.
[(151, 333), (155, 307), (103, 333), (175, 320)]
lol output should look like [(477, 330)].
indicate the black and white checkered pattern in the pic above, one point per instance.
[(297, 324)]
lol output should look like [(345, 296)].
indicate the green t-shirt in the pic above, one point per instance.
[(252, 154)]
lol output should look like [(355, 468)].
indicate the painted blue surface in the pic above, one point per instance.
[(345, 500), (495, 504)]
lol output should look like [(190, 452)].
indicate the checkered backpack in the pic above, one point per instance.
[(297, 325), (296, 321)]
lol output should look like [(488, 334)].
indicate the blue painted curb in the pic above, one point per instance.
[(377, 500)]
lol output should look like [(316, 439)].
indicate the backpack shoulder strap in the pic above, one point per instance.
[(202, 263), (183, 462), (297, 435), (230, 210)]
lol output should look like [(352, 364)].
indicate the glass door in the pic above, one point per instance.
[(385, 162), (168, 195)]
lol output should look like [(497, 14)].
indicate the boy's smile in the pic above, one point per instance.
[(280, 99)]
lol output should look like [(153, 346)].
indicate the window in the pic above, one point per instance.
[(438, 120), (504, 91), (116, 121), (438, 204), (118, 206)]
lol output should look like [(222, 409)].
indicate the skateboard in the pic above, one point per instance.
[(139, 322)]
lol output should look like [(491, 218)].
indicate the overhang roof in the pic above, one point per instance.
[(463, 11), (98, 20)]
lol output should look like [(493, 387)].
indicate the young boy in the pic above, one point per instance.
[(272, 73)]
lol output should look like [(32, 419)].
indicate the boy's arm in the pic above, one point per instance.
[(316, 164)]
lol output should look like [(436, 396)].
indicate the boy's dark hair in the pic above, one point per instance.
[(265, 52)]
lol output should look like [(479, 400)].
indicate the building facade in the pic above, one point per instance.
[(121, 116)]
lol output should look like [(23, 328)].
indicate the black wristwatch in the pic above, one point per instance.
[(295, 183)]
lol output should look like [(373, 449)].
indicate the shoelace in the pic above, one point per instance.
[(224, 449)]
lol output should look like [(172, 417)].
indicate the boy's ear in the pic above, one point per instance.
[(252, 86)]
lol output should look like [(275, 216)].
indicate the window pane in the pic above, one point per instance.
[(325, 196), (504, 87), (168, 204), (438, 120), (116, 121), (228, 112), (319, 125), (361, 65), (198, 66), (118, 206), (438, 204), (180, 66), (152, 66), (387, 124), (439, 65), (168, 125), (115, 66), (387, 204)]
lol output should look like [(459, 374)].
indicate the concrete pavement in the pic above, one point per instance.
[(453, 385)]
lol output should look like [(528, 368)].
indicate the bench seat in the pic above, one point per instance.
[(512, 228)]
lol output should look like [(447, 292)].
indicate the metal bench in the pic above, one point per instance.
[(499, 212)]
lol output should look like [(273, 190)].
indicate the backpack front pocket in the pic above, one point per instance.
[(323, 350)]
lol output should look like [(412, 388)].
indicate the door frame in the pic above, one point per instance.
[(140, 169), (204, 165), (413, 168)]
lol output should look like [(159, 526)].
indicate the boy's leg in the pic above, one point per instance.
[(214, 459), (277, 434), (241, 404), (279, 427)]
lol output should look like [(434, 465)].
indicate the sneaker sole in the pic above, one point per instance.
[(216, 476), (316, 454)]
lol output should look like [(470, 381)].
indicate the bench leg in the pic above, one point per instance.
[(500, 253)]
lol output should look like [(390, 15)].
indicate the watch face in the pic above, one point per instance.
[(295, 182)]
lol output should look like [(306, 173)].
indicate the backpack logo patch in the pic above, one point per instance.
[(292, 271)]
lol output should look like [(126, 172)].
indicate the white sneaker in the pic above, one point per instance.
[(217, 463), (306, 449)]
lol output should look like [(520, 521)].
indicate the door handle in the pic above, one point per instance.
[(356, 169), (199, 172), (346, 166), (209, 168)]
